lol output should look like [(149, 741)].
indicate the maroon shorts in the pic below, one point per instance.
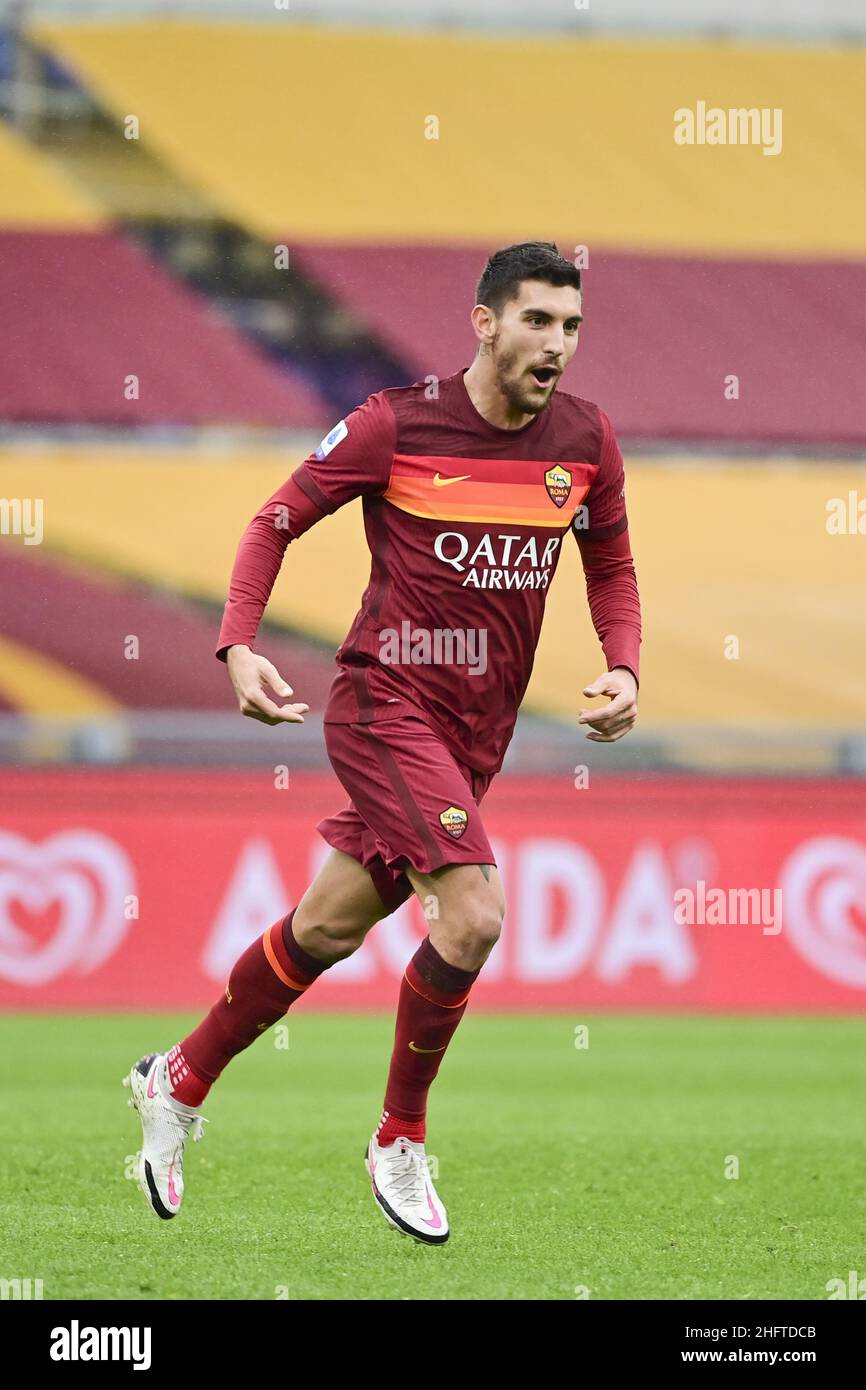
[(411, 802)]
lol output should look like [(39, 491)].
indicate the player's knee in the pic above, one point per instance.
[(481, 924), (330, 940), (328, 937), (340, 948)]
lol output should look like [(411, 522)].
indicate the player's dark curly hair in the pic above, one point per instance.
[(527, 260)]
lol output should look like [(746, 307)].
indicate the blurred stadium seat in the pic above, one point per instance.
[(697, 269)]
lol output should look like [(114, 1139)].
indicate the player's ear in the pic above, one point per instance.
[(484, 323)]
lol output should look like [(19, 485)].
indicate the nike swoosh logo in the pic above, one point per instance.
[(172, 1194), (439, 481), (436, 1219), (151, 1092), (428, 1049)]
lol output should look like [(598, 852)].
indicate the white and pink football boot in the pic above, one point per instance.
[(165, 1126), (404, 1190)]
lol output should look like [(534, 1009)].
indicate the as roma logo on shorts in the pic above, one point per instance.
[(557, 480), (454, 821)]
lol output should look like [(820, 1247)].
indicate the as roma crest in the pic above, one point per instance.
[(454, 821), (557, 480)]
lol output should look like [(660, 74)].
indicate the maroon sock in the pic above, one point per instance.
[(265, 981), (433, 999)]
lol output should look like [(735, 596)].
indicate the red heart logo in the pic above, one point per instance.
[(39, 925), (62, 904)]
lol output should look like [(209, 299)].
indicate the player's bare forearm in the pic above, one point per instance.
[(251, 675), (617, 718)]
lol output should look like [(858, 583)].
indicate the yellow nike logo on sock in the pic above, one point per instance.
[(428, 1049)]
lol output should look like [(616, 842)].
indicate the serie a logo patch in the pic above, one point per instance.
[(454, 821), (558, 481), (332, 439)]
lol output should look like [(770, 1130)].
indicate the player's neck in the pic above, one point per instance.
[(485, 395)]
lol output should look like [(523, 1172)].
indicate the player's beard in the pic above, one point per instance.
[(509, 380)]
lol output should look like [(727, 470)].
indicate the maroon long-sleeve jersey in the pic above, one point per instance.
[(465, 522)]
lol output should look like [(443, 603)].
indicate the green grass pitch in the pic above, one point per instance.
[(563, 1169)]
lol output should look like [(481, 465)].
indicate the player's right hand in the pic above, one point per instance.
[(251, 675)]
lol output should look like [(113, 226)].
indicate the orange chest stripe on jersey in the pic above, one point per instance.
[(439, 489)]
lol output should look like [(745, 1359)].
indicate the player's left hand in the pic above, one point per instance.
[(619, 716)]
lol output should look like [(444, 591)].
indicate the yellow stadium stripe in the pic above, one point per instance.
[(723, 549), (35, 684), (36, 194), (601, 169)]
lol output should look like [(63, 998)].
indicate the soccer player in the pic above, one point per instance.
[(470, 487)]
